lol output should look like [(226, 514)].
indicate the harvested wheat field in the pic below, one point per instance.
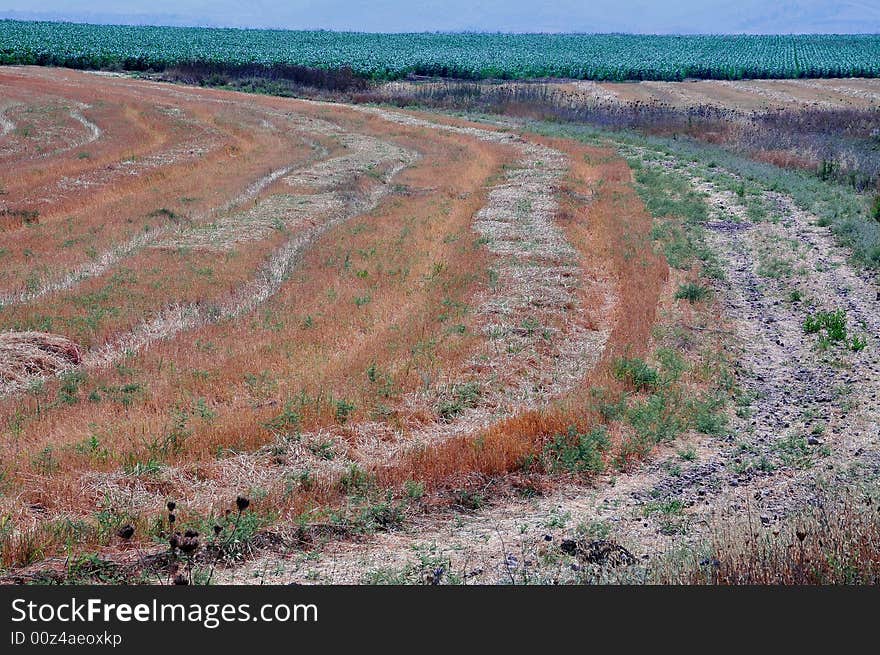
[(337, 342), (738, 96)]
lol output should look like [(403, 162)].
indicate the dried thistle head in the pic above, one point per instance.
[(242, 503), (171, 505), (180, 579), (171, 518), (801, 534), (126, 531), (217, 530), (190, 542), (174, 541)]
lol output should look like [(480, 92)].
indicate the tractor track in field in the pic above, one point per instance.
[(107, 259), (812, 415), (862, 94), (94, 132), (6, 125), (540, 272), (202, 139), (779, 96)]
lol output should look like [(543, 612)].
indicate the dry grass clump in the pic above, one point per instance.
[(27, 354), (835, 542)]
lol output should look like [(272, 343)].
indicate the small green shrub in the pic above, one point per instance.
[(671, 365), (688, 453), (875, 208), (794, 452), (466, 499), (692, 292), (286, 421), (636, 373), (464, 396), (413, 489), (323, 450), (574, 452), (655, 420), (234, 533), (68, 393), (610, 407), (708, 417), (830, 325), (382, 515), (354, 480), (344, 408)]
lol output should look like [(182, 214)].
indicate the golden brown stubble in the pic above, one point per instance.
[(406, 297), (214, 375), (106, 202), (612, 232)]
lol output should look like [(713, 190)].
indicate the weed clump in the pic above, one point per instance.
[(834, 324), (288, 420), (831, 328), (464, 396), (692, 292), (875, 208), (636, 373), (575, 452), (229, 538)]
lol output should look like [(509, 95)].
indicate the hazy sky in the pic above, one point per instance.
[(671, 16)]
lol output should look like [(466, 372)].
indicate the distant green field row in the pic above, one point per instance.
[(472, 56)]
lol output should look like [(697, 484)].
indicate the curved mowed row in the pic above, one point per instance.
[(319, 287)]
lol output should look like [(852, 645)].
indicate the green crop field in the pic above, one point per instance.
[(472, 56)]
